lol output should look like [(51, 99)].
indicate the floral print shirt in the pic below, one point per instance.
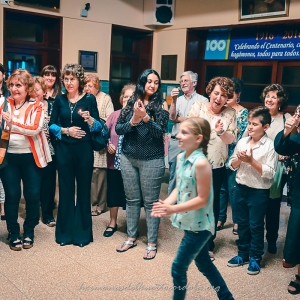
[(217, 149), (194, 220)]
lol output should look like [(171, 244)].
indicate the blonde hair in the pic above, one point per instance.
[(94, 79), (41, 81), (129, 86), (25, 78), (199, 126)]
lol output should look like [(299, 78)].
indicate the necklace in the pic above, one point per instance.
[(72, 107), (16, 111)]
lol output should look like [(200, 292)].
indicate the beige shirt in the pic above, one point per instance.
[(217, 149), (264, 153), (105, 108)]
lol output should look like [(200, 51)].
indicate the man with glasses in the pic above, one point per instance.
[(179, 109)]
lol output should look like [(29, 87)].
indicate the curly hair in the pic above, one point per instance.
[(226, 84), (49, 69), (200, 126), (94, 79), (281, 94), (129, 86), (25, 78), (77, 71), (155, 101)]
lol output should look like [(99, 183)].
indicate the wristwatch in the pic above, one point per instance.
[(219, 134)]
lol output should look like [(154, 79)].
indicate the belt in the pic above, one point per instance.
[(173, 137)]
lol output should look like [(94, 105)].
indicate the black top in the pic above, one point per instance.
[(4, 90), (61, 115), (146, 140)]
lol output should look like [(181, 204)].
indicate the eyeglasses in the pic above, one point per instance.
[(184, 81), (72, 80)]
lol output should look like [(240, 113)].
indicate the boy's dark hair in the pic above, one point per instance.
[(261, 112)]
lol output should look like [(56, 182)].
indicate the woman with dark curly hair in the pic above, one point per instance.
[(275, 99), (143, 123), (77, 115), (222, 120)]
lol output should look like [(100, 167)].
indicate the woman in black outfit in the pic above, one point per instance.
[(78, 116)]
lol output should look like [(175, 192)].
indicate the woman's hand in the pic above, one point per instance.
[(86, 116), (7, 118), (111, 148), (76, 132), (139, 109), (219, 127)]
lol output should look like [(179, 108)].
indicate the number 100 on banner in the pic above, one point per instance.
[(217, 44)]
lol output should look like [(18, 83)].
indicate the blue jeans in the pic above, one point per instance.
[(250, 206), (227, 194), (194, 246)]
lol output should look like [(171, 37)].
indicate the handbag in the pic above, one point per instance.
[(100, 138), (4, 139)]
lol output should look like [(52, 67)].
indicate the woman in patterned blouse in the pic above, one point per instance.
[(222, 120), (143, 123), (229, 180)]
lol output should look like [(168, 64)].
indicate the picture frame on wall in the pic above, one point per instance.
[(88, 60), (252, 9)]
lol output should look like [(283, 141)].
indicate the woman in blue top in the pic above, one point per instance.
[(193, 211)]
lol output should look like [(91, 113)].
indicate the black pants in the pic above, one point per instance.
[(48, 187), (21, 167), (74, 220), (218, 177)]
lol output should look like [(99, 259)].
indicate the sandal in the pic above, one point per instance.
[(50, 223), (109, 233), (295, 285), (128, 242), (149, 249), (27, 243), (95, 213), (15, 245)]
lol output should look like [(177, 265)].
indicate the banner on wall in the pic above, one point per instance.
[(275, 43)]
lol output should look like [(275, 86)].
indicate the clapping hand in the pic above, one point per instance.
[(160, 209), (6, 116), (245, 156), (219, 127)]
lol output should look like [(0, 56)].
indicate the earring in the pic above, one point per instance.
[(238, 100), (279, 108)]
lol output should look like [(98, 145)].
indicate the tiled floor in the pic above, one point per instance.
[(48, 271)]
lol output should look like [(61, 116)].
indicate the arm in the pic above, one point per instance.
[(288, 145), (203, 178), (173, 110), (158, 127), (123, 124), (36, 126), (227, 135), (234, 162)]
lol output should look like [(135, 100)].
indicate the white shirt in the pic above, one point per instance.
[(265, 154), (183, 106)]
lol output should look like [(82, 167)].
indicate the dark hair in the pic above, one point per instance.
[(155, 101), (226, 84), (200, 126), (281, 94), (49, 69), (261, 112), (77, 71), (238, 85), (3, 90)]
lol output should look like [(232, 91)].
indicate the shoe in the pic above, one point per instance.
[(219, 227), (27, 243), (50, 223), (211, 255), (287, 265), (149, 249), (128, 242), (272, 249), (254, 266), (109, 233), (237, 261), (95, 213), (295, 285), (13, 245)]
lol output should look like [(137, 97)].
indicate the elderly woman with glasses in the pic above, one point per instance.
[(74, 117), (99, 178)]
